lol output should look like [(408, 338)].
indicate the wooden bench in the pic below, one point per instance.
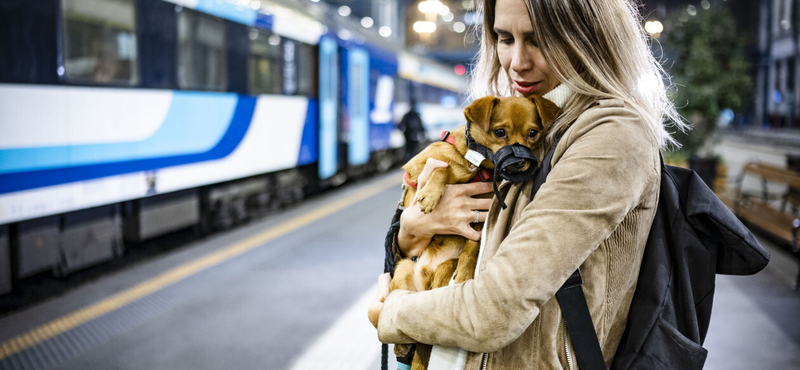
[(775, 214), (782, 220)]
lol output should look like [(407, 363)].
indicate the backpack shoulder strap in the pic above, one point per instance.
[(571, 298), (579, 324), (540, 176)]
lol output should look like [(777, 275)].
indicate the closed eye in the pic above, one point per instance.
[(504, 37)]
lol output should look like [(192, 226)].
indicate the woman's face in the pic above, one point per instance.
[(519, 55)]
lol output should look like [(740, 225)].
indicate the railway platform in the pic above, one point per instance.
[(290, 291)]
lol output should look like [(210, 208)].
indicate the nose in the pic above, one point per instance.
[(520, 59)]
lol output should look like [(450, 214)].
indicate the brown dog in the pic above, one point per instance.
[(493, 123)]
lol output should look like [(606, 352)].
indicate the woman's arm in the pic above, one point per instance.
[(599, 179), (452, 216)]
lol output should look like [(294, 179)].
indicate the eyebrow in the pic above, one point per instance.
[(500, 30)]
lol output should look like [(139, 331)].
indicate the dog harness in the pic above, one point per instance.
[(482, 176)]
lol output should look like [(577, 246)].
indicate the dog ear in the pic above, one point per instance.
[(480, 111), (548, 111)]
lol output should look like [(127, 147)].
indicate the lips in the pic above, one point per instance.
[(526, 88)]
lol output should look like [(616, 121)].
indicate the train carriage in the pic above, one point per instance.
[(123, 120)]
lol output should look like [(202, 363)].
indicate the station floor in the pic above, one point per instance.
[(290, 291)]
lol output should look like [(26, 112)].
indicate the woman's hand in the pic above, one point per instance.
[(452, 216), (374, 311)]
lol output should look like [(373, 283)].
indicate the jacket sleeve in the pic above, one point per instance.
[(600, 177)]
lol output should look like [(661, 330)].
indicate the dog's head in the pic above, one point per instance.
[(499, 122)]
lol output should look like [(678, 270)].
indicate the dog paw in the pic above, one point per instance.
[(427, 202)]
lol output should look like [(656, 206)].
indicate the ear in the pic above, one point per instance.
[(480, 111), (548, 110)]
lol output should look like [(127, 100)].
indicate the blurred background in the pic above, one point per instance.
[(208, 183)]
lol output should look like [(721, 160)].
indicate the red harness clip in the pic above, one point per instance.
[(447, 138)]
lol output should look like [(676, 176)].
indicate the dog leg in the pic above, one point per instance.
[(443, 273), (403, 276), (428, 197), (467, 261), (421, 357)]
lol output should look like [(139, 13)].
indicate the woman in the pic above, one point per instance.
[(594, 212)]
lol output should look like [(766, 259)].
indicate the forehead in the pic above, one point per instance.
[(512, 16), (514, 108)]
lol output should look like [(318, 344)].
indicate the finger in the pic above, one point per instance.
[(476, 188), (430, 165), (478, 216), (471, 233), (480, 204)]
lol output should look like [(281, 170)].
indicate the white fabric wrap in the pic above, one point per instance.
[(454, 358)]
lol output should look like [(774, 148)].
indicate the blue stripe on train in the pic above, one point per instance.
[(195, 123), (240, 122)]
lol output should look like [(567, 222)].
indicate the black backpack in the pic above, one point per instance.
[(693, 237)]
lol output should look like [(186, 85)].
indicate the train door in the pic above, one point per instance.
[(383, 70), (357, 107), (328, 108)]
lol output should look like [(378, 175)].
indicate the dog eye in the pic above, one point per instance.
[(532, 134), (500, 132)]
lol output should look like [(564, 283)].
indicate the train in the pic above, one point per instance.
[(125, 120)]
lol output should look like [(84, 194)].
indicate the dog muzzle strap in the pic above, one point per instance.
[(511, 159), (474, 146), (509, 163)]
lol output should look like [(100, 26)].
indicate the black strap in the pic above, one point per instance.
[(571, 299), (384, 356), (474, 145), (540, 176), (388, 243), (579, 324)]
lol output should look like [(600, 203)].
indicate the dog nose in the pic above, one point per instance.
[(518, 167)]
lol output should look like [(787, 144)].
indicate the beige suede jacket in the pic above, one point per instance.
[(594, 211)]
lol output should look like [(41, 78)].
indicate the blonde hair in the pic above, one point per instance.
[(596, 47)]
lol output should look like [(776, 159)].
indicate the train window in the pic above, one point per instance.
[(201, 52), (265, 62), (307, 69), (100, 42), (289, 68)]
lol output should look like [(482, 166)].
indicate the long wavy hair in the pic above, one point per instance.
[(596, 47)]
